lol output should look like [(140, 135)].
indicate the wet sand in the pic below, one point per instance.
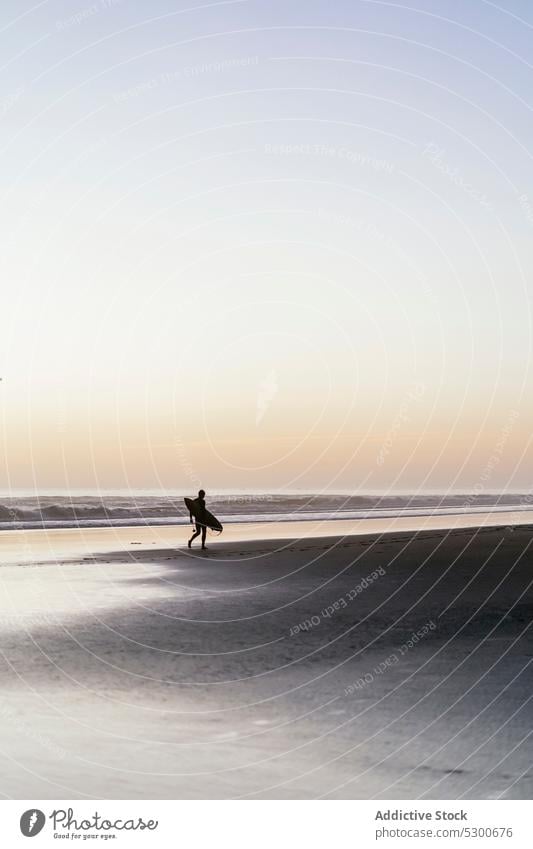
[(314, 662)]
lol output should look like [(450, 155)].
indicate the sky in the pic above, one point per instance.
[(266, 245)]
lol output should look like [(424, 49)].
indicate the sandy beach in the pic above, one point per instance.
[(310, 661)]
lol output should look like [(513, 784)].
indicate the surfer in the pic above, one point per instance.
[(199, 519)]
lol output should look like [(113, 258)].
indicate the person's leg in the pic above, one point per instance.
[(197, 532), (204, 532)]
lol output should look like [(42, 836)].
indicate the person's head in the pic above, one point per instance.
[(201, 493)]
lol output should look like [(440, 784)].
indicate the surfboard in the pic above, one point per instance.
[(209, 520)]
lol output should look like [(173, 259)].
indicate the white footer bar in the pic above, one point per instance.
[(267, 824)]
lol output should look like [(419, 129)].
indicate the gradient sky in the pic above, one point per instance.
[(267, 245)]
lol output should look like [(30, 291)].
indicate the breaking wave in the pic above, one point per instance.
[(135, 510)]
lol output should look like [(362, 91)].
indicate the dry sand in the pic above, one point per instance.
[(133, 668)]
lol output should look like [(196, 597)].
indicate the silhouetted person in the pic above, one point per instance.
[(199, 519)]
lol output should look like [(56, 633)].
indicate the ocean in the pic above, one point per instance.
[(138, 509)]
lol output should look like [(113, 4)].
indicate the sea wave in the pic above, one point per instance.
[(136, 510)]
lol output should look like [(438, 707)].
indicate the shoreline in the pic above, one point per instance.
[(24, 545)]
